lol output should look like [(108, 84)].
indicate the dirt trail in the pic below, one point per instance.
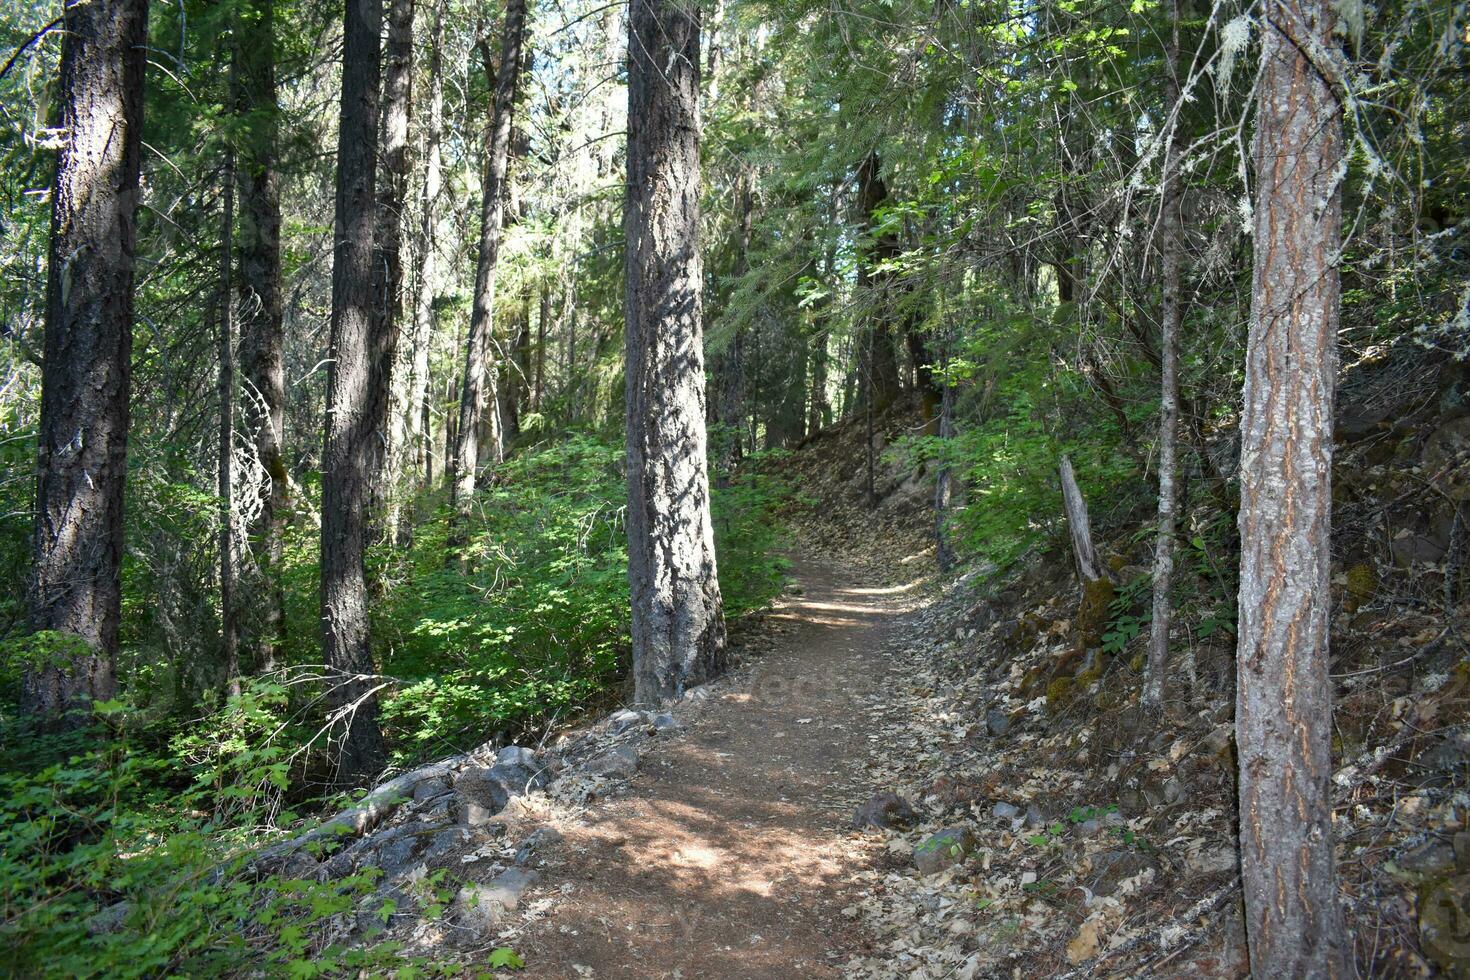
[(730, 853)]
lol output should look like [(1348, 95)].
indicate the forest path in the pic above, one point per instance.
[(730, 855)]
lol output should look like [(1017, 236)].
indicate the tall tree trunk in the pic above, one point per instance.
[(473, 395), (944, 479), (419, 440), (678, 620), (261, 325), (882, 359), (1283, 708), (1170, 261), (82, 442), (543, 318), (348, 451), (392, 193), (229, 623)]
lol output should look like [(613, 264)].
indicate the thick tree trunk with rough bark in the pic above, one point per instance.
[(1170, 262), (83, 437), (475, 395), (228, 567), (1283, 713), (348, 452), (678, 619), (260, 321), (880, 358), (392, 193)]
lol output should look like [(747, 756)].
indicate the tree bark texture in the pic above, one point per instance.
[(228, 568), (419, 415), (475, 396), (1089, 569), (83, 435), (392, 193), (678, 620), (1170, 262), (260, 322), (879, 355), (348, 453), (1283, 714)]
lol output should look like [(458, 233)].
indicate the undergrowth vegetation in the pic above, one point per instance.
[(121, 846)]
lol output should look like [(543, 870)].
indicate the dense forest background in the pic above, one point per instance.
[(1029, 223)]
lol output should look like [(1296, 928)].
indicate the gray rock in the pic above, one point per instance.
[(110, 919), (376, 912), (667, 724), (1006, 811), (997, 722), (623, 720), (1034, 817), (883, 811), (701, 693), (446, 842), (472, 815), (516, 755), (484, 906), (540, 840), (1174, 791), (398, 849), (1434, 857), (430, 789), (620, 762), (1089, 827), (943, 850), (1212, 860)]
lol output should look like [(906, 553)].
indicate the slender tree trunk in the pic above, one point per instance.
[(1170, 261), (678, 621), (261, 325), (390, 412), (543, 318), (351, 427), (474, 397), (83, 437), (1283, 709), (943, 480), (420, 436), (229, 623)]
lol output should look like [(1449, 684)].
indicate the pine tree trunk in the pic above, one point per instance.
[(678, 627), (883, 383), (420, 438), (260, 321), (348, 453), (83, 437), (478, 391), (391, 413), (229, 623), (1170, 262), (1283, 716)]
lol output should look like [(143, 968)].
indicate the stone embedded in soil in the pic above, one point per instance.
[(1006, 811), (540, 840), (884, 811), (492, 788), (997, 722), (621, 721), (943, 850), (666, 724), (484, 906), (620, 762), (429, 789)]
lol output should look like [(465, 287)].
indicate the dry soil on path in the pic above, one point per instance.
[(731, 853)]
